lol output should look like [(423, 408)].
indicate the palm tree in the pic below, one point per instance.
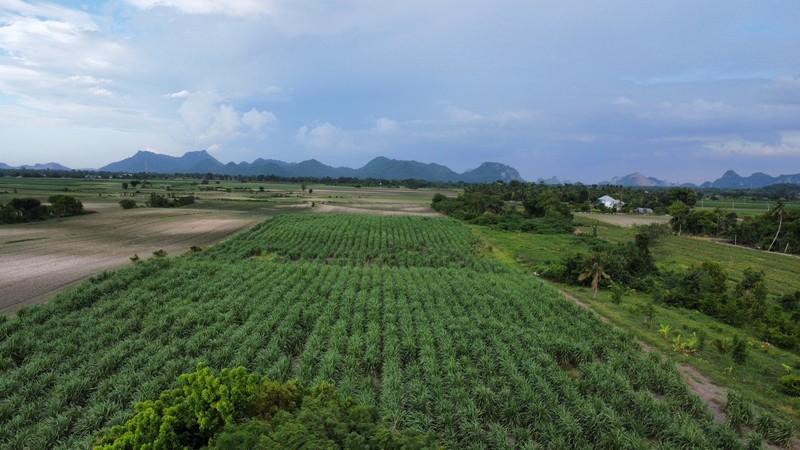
[(777, 210), (595, 271)]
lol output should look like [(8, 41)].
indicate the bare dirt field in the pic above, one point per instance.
[(38, 259), (625, 220), (393, 209)]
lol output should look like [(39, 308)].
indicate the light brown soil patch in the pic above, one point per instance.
[(396, 210), (38, 259), (625, 220)]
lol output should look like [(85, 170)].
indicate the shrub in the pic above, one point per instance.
[(774, 430), (739, 349), (238, 409), (790, 384), (127, 203), (738, 410)]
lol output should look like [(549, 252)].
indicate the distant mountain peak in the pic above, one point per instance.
[(732, 180), (637, 179)]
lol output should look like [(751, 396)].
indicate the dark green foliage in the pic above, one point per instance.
[(739, 349), (65, 205), (23, 210), (498, 206), (127, 203), (237, 409), (172, 201), (790, 384)]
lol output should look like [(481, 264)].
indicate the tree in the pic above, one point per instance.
[(127, 203), (778, 211), (752, 291), (125, 185), (680, 215), (594, 271)]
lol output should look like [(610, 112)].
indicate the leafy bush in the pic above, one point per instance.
[(790, 384), (127, 203), (238, 409)]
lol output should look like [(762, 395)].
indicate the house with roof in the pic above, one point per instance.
[(610, 202)]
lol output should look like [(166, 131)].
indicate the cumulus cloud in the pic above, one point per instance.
[(324, 136), (209, 119)]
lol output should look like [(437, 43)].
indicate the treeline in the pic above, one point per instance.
[(776, 230), (537, 208), (344, 181), (31, 209), (167, 201), (703, 287)]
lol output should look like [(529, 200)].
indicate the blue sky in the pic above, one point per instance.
[(580, 89)]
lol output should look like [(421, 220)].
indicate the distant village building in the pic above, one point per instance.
[(610, 202), (643, 211)]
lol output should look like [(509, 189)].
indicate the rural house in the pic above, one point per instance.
[(610, 202)]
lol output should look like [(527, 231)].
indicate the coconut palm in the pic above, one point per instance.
[(778, 211), (595, 271)]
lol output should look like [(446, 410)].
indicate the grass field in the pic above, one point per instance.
[(682, 251), (756, 379), (484, 356), (743, 207)]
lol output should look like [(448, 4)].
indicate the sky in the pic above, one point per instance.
[(579, 89)]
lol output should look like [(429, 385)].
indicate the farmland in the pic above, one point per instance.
[(446, 341), (756, 378), (43, 257)]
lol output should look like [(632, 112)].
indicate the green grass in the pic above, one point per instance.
[(680, 252), (757, 378), (744, 207)]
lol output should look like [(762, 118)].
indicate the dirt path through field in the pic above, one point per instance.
[(38, 259), (713, 395), (392, 209)]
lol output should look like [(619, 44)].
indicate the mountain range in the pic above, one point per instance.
[(384, 168), (45, 166), (636, 179), (731, 179), (379, 168)]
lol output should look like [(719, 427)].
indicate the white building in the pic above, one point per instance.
[(610, 202)]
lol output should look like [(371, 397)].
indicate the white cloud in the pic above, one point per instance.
[(180, 94), (624, 101), (101, 92), (208, 119), (384, 125), (257, 120), (241, 8), (323, 136), (463, 115), (789, 145)]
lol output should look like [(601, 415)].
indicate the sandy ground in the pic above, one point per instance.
[(38, 259), (625, 220)]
